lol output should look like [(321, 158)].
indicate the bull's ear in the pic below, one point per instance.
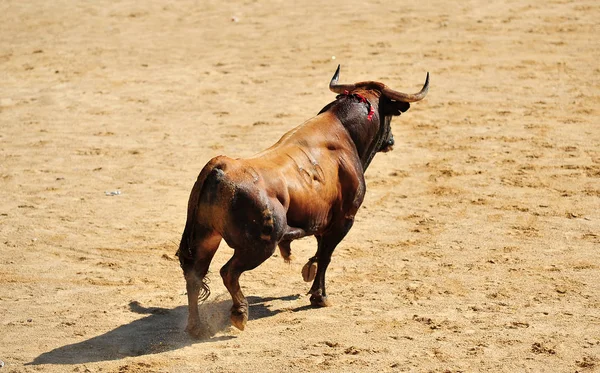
[(402, 106), (395, 107)]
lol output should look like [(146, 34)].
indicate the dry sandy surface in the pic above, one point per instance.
[(477, 247)]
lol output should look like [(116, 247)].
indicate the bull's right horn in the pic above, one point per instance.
[(407, 97), (339, 88)]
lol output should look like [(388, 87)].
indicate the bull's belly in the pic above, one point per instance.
[(313, 215)]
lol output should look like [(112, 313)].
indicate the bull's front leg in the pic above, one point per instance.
[(326, 244)]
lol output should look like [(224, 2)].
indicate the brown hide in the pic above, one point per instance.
[(311, 182)]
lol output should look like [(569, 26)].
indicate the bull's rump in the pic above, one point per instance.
[(232, 204)]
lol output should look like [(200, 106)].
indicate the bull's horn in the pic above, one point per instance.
[(405, 97), (339, 88)]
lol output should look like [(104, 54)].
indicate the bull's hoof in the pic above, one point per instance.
[(319, 301), (309, 271), (239, 319), (290, 258), (193, 330)]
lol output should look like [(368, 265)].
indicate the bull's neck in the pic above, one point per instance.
[(364, 131)]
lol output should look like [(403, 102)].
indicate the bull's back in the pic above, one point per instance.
[(297, 181)]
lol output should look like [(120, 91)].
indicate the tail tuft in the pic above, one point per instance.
[(204, 289)]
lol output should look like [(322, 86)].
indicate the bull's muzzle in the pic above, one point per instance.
[(388, 145)]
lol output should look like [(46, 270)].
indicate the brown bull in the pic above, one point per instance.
[(311, 182)]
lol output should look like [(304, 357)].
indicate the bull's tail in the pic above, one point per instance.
[(204, 291), (187, 260), (200, 239)]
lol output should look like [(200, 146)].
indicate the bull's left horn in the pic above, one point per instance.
[(339, 88), (406, 97)]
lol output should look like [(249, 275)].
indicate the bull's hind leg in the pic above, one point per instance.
[(242, 260), (195, 260), (326, 244)]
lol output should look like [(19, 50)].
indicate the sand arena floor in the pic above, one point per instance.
[(478, 244)]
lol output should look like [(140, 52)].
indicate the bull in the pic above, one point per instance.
[(311, 182)]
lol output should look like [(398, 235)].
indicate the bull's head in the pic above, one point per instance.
[(386, 102)]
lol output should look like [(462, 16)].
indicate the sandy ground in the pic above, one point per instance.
[(477, 247)]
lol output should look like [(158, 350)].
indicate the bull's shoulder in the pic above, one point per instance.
[(352, 181)]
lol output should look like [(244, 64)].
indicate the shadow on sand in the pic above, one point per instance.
[(162, 330)]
